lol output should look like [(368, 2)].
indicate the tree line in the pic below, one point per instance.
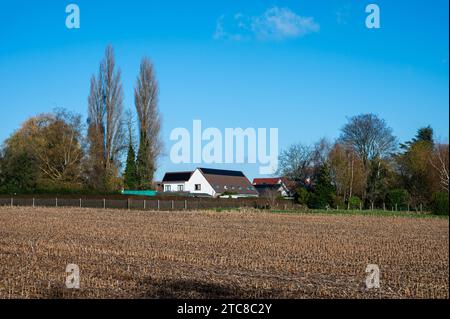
[(59, 153), (366, 167)]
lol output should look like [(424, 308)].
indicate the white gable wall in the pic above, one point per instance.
[(174, 186), (198, 178), (283, 190)]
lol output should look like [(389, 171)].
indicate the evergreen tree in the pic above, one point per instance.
[(424, 135), (324, 189), (144, 164), (18, 173), (130, 176)]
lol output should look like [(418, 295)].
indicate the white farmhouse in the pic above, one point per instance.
[(209, 182)]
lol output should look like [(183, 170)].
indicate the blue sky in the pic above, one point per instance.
[(221, 62)]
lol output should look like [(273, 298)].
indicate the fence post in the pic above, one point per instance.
[(420, 207), (33, 201), (372, 206), (185, 204), (56, 202), (360, 206), (144, 204), (12, 201), (104, 203), (396, 207), (173, 204), (158, 204), (384, 206), (80, 203)]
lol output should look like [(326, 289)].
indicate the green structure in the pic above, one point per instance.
[(139, 193)]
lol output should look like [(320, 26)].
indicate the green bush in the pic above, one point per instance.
[(439, 203), (338, 201), (354, 202), (397, 198), (315, 201), (302, 196)]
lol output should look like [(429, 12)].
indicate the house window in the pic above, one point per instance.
[(198, 187), (167, 188), (181, 188)]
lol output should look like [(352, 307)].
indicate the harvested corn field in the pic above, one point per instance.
[(133, 254)]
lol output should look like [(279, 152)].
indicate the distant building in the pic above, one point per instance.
[(209, 182), (266, 186)]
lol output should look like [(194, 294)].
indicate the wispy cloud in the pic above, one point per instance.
[(273, 25), (226, 34), (343, 13)]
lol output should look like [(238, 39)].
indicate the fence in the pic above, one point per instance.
[(146, 204)]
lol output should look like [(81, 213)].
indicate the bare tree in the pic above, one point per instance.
[(296, 163), (146, 101), (346, 171), (106, 132), (369, 137), (130, 122), (372, 140), (320, 153), (440, 161)]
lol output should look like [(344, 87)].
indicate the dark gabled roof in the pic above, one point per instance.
[(267, 186), (177, 177), (228, 181), (221, 172)]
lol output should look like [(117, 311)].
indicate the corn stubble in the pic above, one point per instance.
[(131, 254)]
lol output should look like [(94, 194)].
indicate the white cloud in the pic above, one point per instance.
[(278, 24), (274, 24)]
